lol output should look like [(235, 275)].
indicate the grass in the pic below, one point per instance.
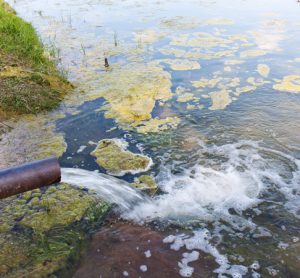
[(25, 68)]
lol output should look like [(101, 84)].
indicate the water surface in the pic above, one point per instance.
[(211, 91)]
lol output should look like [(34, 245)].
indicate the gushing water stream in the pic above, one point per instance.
[(112, 190)]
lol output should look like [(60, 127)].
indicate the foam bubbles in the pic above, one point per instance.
[(200, 240), (185, 269), (225, 182), (147, 254), (234, 181), (143, 268)]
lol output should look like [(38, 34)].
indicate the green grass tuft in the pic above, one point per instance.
[(18, 38), (22, 49)]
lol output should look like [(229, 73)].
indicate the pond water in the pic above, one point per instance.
[(210, 90)]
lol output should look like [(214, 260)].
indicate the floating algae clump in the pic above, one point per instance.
[(172, 51), (263, 70), (201, 40), (145, 183), (132, 92), (112, 155), (179, 64), (252, 53), (148, 36), (60, 207), (185, 97), (204, 82), (155, 125), (244, 89), (217, 21), (220, 100), (180, 23), (290, 83)]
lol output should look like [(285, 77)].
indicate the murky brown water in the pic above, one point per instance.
[(122, 248)]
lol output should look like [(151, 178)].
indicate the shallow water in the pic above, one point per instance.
[(225, 75)]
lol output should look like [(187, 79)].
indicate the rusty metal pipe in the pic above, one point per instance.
[(29, 176)]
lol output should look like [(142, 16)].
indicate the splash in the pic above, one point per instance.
[(211, 189), (226, 181)]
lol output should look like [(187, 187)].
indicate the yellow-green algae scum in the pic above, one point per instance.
[(143, 60), (220, 62)]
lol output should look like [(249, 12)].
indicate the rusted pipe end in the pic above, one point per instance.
[(29, 176)]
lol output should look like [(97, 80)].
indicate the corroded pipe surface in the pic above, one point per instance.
[(29, 176)]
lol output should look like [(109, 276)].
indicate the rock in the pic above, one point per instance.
[(112, 155)]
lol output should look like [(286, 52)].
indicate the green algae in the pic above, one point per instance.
[(132, 92), (145, 183), (148, 36), (112, 155), (263, 70), (289, 83), (256, 81), (11, 253), (181, 64), (156, 125), (62, 207), (197, 53), (220, 100), (180, 23), (200, 40), (191, 106), (205, 82), (50, 231), (38, 255), (185, 97), (217, 21), (244, 89), (252, 53)]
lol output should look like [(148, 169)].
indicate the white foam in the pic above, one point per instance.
[(147, 254), (208, 191), (81, 149), (200, 240), (185, 269), (143, 268)]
